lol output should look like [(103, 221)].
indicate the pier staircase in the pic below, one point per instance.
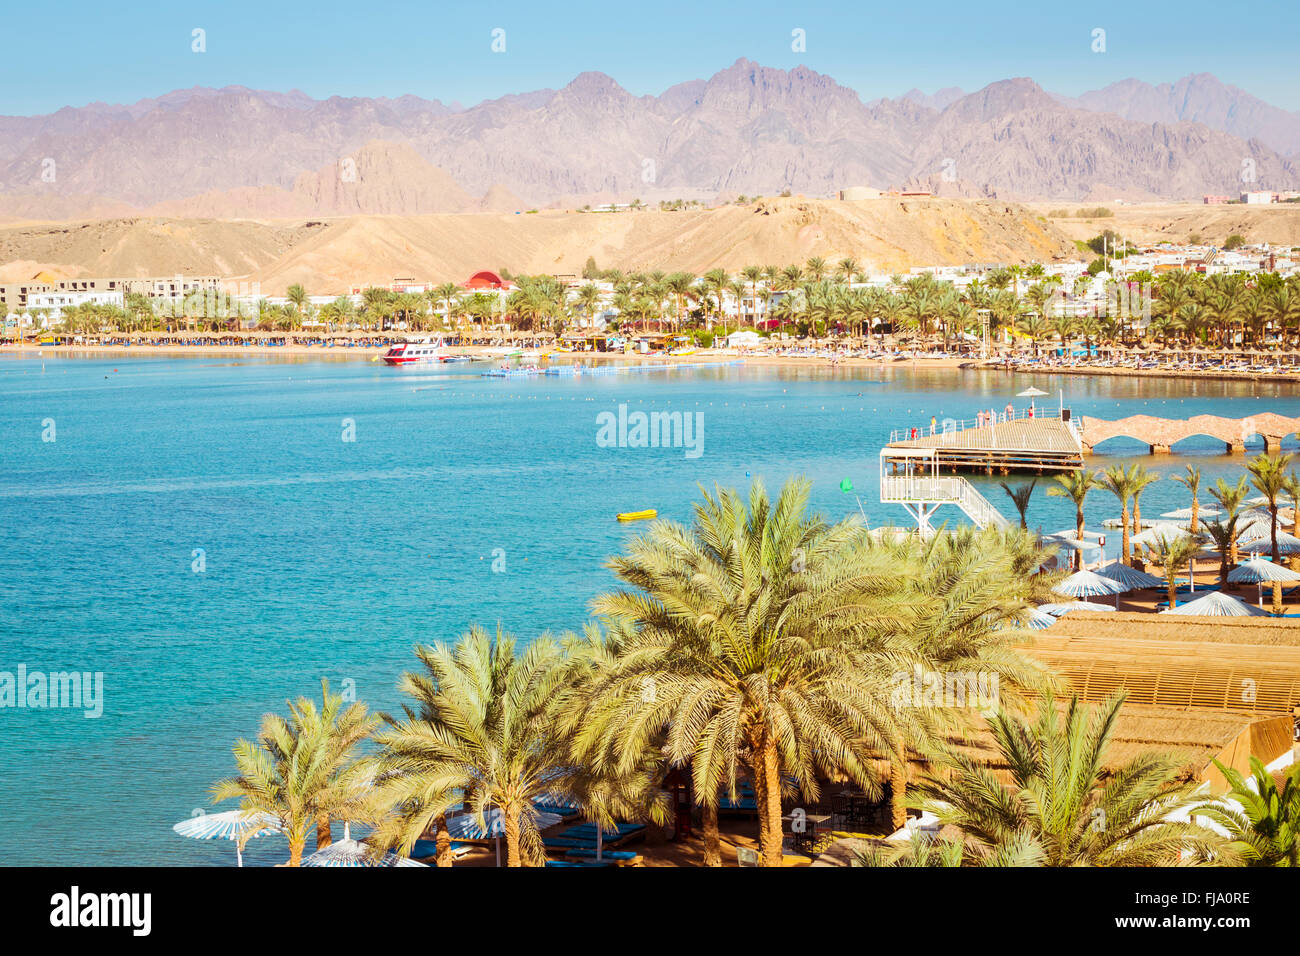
[(921, 496)]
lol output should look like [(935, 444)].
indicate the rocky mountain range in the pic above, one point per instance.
[(237, 152)]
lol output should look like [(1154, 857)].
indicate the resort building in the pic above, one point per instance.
[(53, 303)]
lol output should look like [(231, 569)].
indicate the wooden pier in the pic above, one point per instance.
[(1020, 444)]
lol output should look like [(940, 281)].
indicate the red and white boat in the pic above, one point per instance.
[(416, 351)]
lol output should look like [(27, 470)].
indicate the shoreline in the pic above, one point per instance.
[(370, 353)]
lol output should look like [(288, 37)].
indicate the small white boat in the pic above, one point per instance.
[(415, 351)]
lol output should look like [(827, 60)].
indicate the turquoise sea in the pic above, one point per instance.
[(200, 531)]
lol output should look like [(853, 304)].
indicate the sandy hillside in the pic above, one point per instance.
[(328, 256), (1178, 222)]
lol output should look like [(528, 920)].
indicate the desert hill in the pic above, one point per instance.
[(331, 254)]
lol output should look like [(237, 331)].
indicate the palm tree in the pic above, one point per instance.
[(1075, 485), (1191, 479), (301, 770), (479, 733), (1225, 535), (1230, 499), (1142, 479), (1264, 826), (1173, 554), (773, 642), (1065, 801), (1268, 476), (1118, 480), (1020, 496)]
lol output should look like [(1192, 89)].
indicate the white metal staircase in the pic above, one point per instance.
[(921, 495)]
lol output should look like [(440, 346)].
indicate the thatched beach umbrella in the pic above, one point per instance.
[(1217, 604), (354, 853), (238, 825), (1056, 610), (1258, 571), (1088, 584), (1129, 576)]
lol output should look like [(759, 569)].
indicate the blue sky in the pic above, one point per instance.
[(72, 53)]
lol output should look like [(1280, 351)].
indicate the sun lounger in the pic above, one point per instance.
[(576, 863), (618, 856), (428, 848)]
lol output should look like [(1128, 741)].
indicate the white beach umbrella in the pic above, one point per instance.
[(1129, 576), (1031, 392), (1287, 543), (466, 826), (1185, 514), (237, 825), (1039, 620), (1152, 536), (1056, 610), (1260, 572), (1088, 584), (1217, 604), (353, 853)]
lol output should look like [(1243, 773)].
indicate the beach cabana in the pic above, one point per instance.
[(238, 825), (354, 853), (1217, 604)]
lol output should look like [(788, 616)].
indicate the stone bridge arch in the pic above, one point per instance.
[(1161, 434)]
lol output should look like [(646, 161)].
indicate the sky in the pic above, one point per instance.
[(72, 53)]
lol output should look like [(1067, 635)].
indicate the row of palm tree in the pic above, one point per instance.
[(759, 643), (1270, 476), (817, 298)]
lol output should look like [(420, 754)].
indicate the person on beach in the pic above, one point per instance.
[(933, 422), (1011, 411)]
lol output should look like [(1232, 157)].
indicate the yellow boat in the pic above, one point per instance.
[(637, 515)]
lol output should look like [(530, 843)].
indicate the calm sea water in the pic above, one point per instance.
[(201, 533)]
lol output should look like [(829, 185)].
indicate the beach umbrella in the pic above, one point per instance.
[(1258, 571), (1039, 620), (1287, 543), (1056, 610), (1088, 584), (1129, 576), (1031, 392), (1217, 604), (1152, 536), (1185, 514), (237, 825), (353, 853), (466, 826)]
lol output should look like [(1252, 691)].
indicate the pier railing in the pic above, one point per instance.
[(951, 426)]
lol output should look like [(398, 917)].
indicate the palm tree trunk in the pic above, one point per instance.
[(712, 841), (760, 801), (771, 805), (1125, 537), (898, 790), (512, 839), (1172, 588), (444, 842), (323, 836), (296, 843), (1277, 597)]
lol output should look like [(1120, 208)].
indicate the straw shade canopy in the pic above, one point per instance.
[(1217, 604), (1130, 577), (1088, 584), (352, 853), (1259, 571), (1031, 392), (1056, 610)]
